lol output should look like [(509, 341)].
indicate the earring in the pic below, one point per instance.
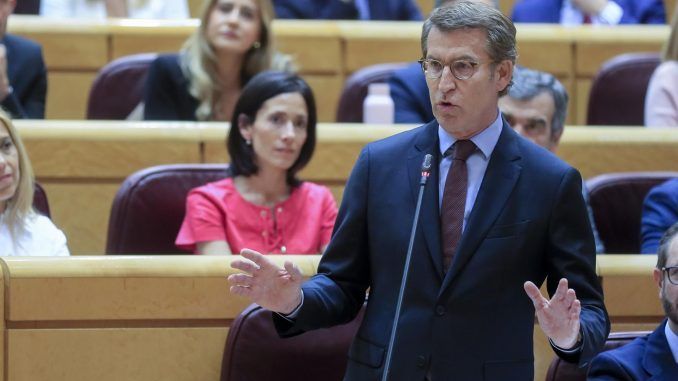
[(256, 45), (248, 142)]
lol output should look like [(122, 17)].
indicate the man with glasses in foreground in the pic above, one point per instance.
[(499, 216), (654, 357)]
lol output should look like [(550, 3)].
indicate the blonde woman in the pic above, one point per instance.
[(203, 82), (22, 230), (661, 101)]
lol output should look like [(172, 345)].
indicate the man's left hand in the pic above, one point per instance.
[(558, 317)]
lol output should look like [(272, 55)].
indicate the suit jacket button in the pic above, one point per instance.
[(421, 361), (440, 310)]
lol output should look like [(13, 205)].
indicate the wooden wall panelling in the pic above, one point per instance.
[(395, 42), (68, 93)]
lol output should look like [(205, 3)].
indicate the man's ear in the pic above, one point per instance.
[(244, 125), (657, 274), (12, 3), (504, 73)]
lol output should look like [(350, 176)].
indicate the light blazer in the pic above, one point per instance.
[(475, 322), (645, 358)]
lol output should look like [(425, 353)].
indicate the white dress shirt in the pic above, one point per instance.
[(610, 15)]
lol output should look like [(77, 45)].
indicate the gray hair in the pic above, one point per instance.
[(528, 83), (447, 2), (501, 33), (665, 244)]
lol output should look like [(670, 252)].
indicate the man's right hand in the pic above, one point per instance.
[(274, 288), (590, 7)]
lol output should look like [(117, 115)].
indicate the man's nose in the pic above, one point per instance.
[(447, 80)]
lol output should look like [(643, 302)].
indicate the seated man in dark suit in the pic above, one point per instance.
[(660, 211), (602, 12), (396, 10), (23, 78), (654, 357)]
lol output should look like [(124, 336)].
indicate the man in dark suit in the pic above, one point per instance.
[(606, 12), (499, 216), (654, 357), (396, 10), (23, 78)]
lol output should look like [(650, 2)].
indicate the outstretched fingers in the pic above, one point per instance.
[(535, 295)]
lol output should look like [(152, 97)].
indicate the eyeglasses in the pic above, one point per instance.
[(461, 69), (671, 274)]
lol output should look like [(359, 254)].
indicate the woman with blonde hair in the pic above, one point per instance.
[(661, 101), (233, 43), (22, 230)]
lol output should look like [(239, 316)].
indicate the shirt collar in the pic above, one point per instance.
[(485, 140), (672, 338)]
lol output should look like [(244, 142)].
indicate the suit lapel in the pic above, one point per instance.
[(500, 177), (429, 220), (658, 360)]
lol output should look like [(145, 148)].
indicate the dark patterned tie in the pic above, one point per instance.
[(454, 199)]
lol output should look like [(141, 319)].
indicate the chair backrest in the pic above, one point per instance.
[(617, 95), (561, 370), (350, 108), (40, 203), (254, 351), (149, 207), (119, 87), (27, 7), (616, 200)]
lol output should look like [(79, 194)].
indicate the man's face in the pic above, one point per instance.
[(465, 107), (532, 118), (668, 292), (6, 9)]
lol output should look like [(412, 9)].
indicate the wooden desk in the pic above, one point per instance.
[(111, 318), (326, 52)]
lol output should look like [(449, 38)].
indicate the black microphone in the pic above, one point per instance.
[(425, 173)]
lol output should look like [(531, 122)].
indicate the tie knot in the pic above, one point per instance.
[(463, 149)]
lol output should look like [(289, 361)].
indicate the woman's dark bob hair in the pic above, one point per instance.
[(258, 90)]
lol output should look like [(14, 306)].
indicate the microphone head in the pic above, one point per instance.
[(426, 165)]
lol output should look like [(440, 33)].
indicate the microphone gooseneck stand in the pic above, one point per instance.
[(425, 172)]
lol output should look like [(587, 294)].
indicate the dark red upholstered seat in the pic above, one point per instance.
[(255, 352), (616, 200), (40, 203), (350, 108), (617, 95), (119, 87), (150, 205), (560, 370)]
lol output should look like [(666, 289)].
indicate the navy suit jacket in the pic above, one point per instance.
[(410, 95), (548, 11), (660, 211), (474, 322), (27, 76), (645, 358), (398, 10)]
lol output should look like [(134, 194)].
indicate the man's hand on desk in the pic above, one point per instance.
[(558, 317), (264, 283)]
